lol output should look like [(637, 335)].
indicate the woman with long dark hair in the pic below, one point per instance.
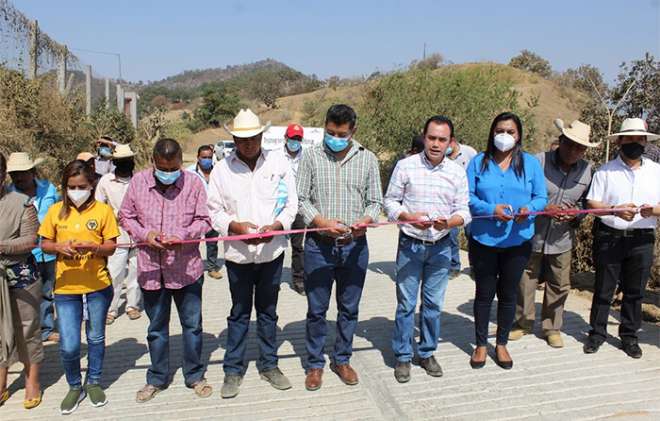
[(81, 232), (505, 185)]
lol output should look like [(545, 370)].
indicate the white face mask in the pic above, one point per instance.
[(504, 142), (78, 197)]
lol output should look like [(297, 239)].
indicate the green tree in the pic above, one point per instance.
[(218, 105), (110, 122), (532, 62), (643, 100)]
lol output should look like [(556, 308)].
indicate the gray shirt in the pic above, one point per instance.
[(465, 155), (568, 189)]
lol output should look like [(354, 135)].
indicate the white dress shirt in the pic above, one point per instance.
[(616, 183), (111, 190), (294, 161), (239, 194)]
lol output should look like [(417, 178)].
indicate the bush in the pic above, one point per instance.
[(532, 62)]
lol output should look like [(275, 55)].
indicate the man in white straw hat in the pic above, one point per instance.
[(252, 190), (122, 265), (43, 193), (567, 177), (624, 238)]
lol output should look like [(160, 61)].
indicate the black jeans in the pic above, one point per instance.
[(297, 252), (496, 271), (623, 260), (212, 261)]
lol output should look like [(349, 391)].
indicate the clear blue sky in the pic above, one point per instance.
[(157, 39)]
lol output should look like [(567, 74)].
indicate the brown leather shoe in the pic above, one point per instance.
[(314, 380), (345, 372)]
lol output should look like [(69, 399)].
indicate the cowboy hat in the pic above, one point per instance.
[(20, 161), (122, 151), (247, 124), (634, 127), (577, 131), (85, 156)]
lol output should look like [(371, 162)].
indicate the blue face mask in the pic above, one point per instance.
[(167, 177), (205, 163), (293, 145), (448, 151), (336, 144), (105, 152)]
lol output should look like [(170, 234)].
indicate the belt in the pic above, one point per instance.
[(625, 233), (332, 241), (425, 242)]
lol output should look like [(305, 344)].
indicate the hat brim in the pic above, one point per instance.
[(578, 140), (247, 133), (24, 166), (649, 136), (131, 155)]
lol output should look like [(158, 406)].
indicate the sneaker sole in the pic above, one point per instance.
[(98, 404), (402, 379), (276, 386), (82, 396)]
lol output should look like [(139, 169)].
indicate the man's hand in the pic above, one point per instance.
[(626, 215), (170, 242), (275, 226), (153, 240), (441, 224), (647, 211), (523, 214), (417, 216), (335, 228), (503, 212), (359, 231), (242, 228), (65, 248), (554, 208)]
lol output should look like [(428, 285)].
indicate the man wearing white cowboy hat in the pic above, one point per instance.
[(567, 177), (624, 238), (252, 190), (23, 174), (122, 265)]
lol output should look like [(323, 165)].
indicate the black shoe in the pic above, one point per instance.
[(298, 287), (507, 365), (477, 364), (632, 349), (591, 346), (431, 366), (402, 372)]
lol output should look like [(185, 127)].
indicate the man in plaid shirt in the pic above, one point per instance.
[(431, 191), (338, 188)]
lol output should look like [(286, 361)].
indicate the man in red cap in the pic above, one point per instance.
[(293, 152)]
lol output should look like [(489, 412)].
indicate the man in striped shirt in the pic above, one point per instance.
[(338, 189), (430, 191)]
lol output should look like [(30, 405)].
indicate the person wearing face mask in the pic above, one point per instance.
[(202, 169), (427, 186), (338, 188), (461, 154), (568, 177), (20, 292), (122, 265), (163, 206), (22, 171), (81, 232), (292, 151), (105, 147), (624, 238), (505, 185)]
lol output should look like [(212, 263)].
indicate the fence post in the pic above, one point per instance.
[(107, 93), (120, 98), (88, 90), (34, 50), (61, 70)]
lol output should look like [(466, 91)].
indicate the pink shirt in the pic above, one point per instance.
[(179, 211)]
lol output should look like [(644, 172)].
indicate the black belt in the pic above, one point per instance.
[(425, 242), (332, 241), (625, 233)]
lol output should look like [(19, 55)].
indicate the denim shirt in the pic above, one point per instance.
[(492, 187)]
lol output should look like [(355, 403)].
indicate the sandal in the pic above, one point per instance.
[(147, 393), (109, 319), (4, 397), (34, 402), (202, 389), (133, 313)]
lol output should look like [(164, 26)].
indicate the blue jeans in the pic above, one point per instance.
[(69, 318), (47, 270), (429, 265), (455, 250), (212, 252), (324, 264), (157, 305), (258, 282)]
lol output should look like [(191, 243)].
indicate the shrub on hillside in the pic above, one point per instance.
[(532, 62)]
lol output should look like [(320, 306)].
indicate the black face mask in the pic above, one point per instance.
[(632, 150), (124, 166)]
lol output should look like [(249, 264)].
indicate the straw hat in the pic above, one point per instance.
[(577, 131), (122, 151), (20, 161), (247, 124), (85, 156), (634, 127)]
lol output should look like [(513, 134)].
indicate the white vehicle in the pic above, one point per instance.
[(223, 148)]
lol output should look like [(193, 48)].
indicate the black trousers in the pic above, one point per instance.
[(625, 260), (297, 248), (496, 271)]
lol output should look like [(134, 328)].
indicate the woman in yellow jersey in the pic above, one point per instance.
[(81, 232)]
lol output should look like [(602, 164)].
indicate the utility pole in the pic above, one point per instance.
[(88, 90), (61, 70), (34, 50), (424, 52)]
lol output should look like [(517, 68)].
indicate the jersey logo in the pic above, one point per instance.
[(92, 224)]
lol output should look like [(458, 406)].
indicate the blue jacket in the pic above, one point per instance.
[(493, 186), (46, 197)]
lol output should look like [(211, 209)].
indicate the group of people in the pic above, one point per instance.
[(139, 229)]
